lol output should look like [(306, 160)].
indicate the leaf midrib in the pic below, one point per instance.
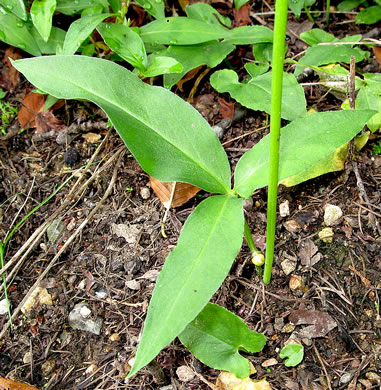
[(202, 166)]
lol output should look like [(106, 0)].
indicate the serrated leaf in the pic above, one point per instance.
[(80, 30), (210, 240), (17, 7), (168, 137), (257, 93), (303, 143), (41, 13), (14, 31), (206, 13), (293, 353), (191, 57), (125, 42), (216, 336), (181, 31)]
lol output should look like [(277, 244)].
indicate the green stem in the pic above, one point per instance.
[(250, 242), (281, 8), (328, 6), (309, 16)]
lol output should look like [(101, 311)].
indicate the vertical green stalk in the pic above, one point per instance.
[(328, 6), (281, 12)]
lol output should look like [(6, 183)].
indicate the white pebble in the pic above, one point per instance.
[(332, 214)]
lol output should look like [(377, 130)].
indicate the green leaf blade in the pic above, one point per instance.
[(293, 353), (249, 35), (181, 31), (303, 143), (215, 337), (80, 30), (125, 42), (257, 93), (14, 31), (17, 7), (208, 244), (41, 13), (168, 137)]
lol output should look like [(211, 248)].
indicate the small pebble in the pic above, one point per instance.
[(288, 328), (248, 204), (373, 377), (92, 368), (269, 362), (284, 209), (288, 266), (115, 337), (332, 214), (296, 283), (27, 358), (292, 226), (79, 322), (63, 138), (326, 235), (71, 157), (101, 293), (346, 378), (48, 367), (145, 193), (185, 374), (3, 307), (85, 311)]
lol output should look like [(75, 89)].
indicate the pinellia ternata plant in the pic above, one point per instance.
[(172, 142)]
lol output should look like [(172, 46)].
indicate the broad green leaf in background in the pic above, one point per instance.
[(54, 43), (296, 7), (249, 35), (303, 144), (153, 7), (17, 7), (293, 353), (181, 31), (41, 13), (161, 65), (263, 52), (125, 42), (80, 30), (317, 55), (206, 13), (349, 5), (96, 10), (208, 53), (316, 36), (369, 15), (256, 70), (256, 94), (14, 31), (192, 273), (71, 7), (369, 97), (168, 137), (239, 3), (116, 5), (216, 336)]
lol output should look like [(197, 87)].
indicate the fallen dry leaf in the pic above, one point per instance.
[(226, 109), (242, 16), (9, 384), (377, 53), (46, 121), (31, 106), (320, 323), (228, 381), (188, 76), (10, 74), (367, 282), (92, 138), (308, 253), (183, 192)]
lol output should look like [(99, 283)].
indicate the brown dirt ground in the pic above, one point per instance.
[(42, 349)]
